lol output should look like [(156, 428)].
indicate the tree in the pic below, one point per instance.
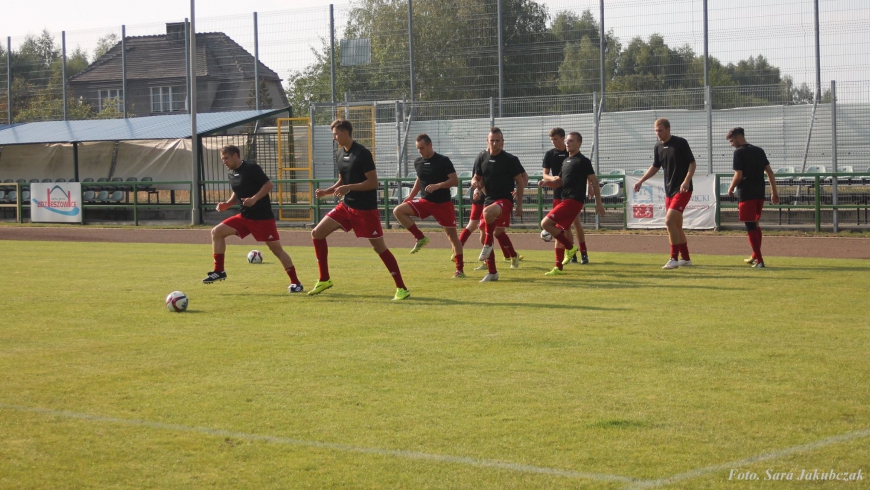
[(579, 71), (104, 44)]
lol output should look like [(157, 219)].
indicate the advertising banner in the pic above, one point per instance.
[(646, 208), (58, 202)]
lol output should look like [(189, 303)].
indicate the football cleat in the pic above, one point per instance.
[(750, 261), (420, 244), (458, 275), (569, 254), (401, 294), (214, 276), (490, 277), (484, 253), (584, 258), (758, 265), (295, 288), (518, 257), (515, 262), (574, 259), (320, 287), (684, 263), (555, 272), (671, 264), (481, 267)]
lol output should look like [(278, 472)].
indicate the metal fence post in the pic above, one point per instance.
[(63, 74), (124, 69), (708, 95), (194, 147), (500, 25), (411, 49), (9, 79), (834, 200), (256, 65), (332, 51), (491, 112), (398, 142)]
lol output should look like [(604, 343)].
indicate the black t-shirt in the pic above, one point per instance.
[(553, 160), (752, 161), (498, 174), (575, 174), (675, 156), (434, 171), (246, 181), (352, 166)]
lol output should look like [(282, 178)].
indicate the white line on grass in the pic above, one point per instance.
[(439, 458), (699, 472)]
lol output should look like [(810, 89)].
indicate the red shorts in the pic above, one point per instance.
[(565, 212), (264, 230), (476, 212), (365, 223), (750, 210), (507, 208), (443, 212), (679, 201)]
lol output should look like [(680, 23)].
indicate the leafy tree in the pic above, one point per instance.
[(104, 44)]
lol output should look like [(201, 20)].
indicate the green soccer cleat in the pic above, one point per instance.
[(569, 254), (320, 287), (750, 261), (401, 294), (458, 275), (420, 244), (518, 257), (555, 272)]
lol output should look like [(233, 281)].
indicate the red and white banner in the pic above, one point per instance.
[(646, 208), (59, 202)]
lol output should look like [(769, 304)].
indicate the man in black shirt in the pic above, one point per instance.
[(358, 186), (552, 166), (750, 165), (498, 173), (673, 153), (572, 178), (435, 177), (251, 188)]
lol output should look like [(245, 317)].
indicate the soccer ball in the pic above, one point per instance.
[(255, 257), (176, 301), (546, 236)]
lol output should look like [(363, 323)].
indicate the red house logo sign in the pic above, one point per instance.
[(643, 210)]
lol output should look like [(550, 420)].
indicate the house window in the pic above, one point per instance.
[(168, 99), (110, 98)]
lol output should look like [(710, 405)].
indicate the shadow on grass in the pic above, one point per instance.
[(420, 300)]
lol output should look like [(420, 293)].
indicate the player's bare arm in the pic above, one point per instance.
[(518, 209), (265, 190), (738, 176), (687, 182), (649, 173), (548, 180), (223, 206), (452, 181), (415, 190), (774, 196), (370, 183), (596, 190), (477, 182), (329, 190)]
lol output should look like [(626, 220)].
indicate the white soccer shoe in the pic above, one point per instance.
[(484, 252), (490, 277), (684, 263), (672, 264)]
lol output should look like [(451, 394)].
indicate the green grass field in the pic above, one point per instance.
[(619, 375)]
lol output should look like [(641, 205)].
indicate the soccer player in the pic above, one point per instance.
[(435, 177), (552, 166), (673, 153), (251, 187), (357, 184), (750, 165), (574, 173), (498, 172)]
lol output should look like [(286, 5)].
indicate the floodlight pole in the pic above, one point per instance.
[(63, 74), (124, 68), (195, 215), (331, 54), (256, 65), (9, 79)]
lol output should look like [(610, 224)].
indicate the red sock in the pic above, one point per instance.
[(582, 247), (321, 251), (675, 252), (755, 243), (560, 256), (218, 262), (291, 272), (684, 251), (490, 238), (393, 267), (460, 263), (564, 239), (416, 232), (490, 264), (463, 237), (507, 248)]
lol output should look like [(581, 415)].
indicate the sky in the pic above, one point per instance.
[(782, 30)]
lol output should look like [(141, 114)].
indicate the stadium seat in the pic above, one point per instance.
[(46, 181), (115, 187), (8, 181), (23, 183), (60, 180), (88, 196), (103, 196), (103, 180), (2, 197), (610, 192), (865, 178), (813, 169), (11, 197), (534, 177), (25, 197), (617, 171), (638, 172), (115, 197), (149, 189)]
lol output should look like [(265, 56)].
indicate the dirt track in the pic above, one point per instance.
[(782, 246)]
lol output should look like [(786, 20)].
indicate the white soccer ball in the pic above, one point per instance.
[(546, 236), (176, 301), (255, 257)]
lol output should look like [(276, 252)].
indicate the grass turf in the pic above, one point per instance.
[(617, 369)]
